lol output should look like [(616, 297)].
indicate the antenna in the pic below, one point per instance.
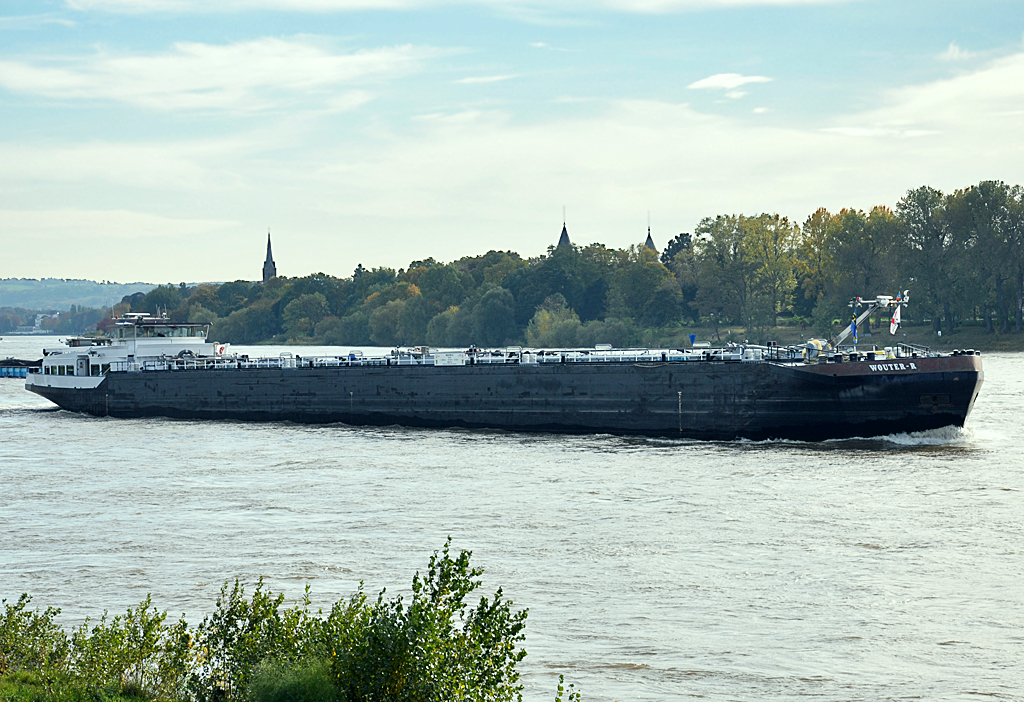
[(563, 215)]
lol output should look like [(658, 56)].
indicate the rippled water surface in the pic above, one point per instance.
[(653, 570)]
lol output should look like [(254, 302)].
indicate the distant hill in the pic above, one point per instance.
[(60, 293)]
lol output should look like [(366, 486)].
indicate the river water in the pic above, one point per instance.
[(653, 569)]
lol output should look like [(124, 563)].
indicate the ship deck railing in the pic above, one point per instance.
[(525, 358), (746, 354)]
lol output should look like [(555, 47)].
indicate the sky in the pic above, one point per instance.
[(160, 140)]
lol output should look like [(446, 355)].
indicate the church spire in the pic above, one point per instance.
[(269, 269)]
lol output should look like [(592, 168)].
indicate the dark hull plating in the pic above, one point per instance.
[(702, 400)]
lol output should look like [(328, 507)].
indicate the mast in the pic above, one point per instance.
[(880, 302)]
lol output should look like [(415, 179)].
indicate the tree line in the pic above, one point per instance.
[(960, 254), (75, 320)]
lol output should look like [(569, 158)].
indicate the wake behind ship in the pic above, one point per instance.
[(151, 366)]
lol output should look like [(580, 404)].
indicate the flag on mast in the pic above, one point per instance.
[(895, 323), (853, 327)]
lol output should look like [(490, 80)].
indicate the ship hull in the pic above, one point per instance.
[(699, 400)]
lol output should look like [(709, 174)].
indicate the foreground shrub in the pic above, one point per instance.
[(251, 647), (242, 633), (31, 641), (308, 681), (135, 653), (436, 648)]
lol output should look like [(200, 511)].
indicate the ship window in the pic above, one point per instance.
[(60, 370), (94, 369), (46, 370), (105, 368)]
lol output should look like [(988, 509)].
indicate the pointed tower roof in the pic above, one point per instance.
[(650, 242), (269, 269), (564, 239)]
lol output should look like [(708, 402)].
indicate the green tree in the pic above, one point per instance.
[(932, 249), (414, 318), (723, 269), (443, 285), (354, 329), (771, 242), (302, 314), (683, 242), (621, 333), (554, 325), (199, 314), (439, 329), (644, 289), (848, 255), (205, 295), (163, 298), (987, 216), (494, 317), (814, 263), (385, 322), (232, 296)]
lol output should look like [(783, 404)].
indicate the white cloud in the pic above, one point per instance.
[(485, 79), (33, 21), (463, 183), (971, 107), (245, 76), (955, 53), (542, 45), (727, 81), (154, 165)]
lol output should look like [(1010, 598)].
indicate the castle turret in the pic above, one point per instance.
[(564, 239), (269, 269), (650, 242)]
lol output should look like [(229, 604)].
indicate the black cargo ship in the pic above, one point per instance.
[(154, 367)]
